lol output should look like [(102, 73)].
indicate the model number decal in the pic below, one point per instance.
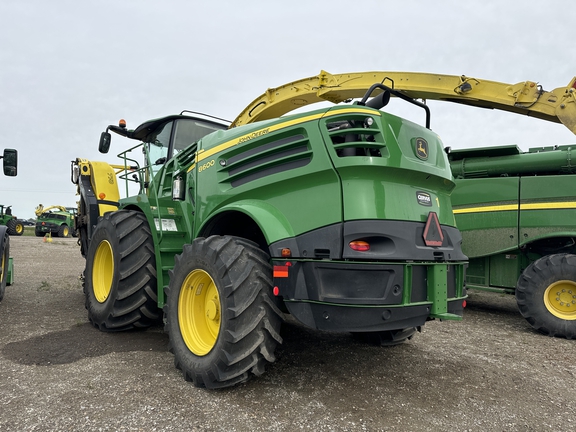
[(206, 166), (424, 199)]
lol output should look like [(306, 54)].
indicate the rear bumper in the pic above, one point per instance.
[(363, 297), (339, 318), (48, 228)]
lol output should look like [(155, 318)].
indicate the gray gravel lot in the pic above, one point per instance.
[(490, 372)]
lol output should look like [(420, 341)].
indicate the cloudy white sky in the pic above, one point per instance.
[(69, 68)]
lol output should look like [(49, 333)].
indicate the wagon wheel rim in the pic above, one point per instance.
[(560, 299), (199, 313), (103, 271)]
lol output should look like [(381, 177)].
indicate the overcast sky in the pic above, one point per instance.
[(70, 68)]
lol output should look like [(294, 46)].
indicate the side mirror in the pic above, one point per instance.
[(10, 162), (104, 145)]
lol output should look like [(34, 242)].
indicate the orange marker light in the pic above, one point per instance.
[(286, 252), (359, 245), (122, 123), (280, 271), (101, 195)]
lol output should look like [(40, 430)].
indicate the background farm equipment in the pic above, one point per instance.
[(58, 221), (14, 226)]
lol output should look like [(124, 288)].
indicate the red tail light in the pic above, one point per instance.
[(359, 245)]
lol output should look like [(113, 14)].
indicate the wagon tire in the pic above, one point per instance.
[(546, 295)]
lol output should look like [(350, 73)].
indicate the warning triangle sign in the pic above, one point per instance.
[(433, 235)]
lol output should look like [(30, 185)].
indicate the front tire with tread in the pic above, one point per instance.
[(120, 275), (231, 333)]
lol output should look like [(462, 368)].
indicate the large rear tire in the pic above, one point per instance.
[(4, 259), (120, 276), (222, 321), (546, 295), (63, 231)]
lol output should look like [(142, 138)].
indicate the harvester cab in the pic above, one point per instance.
[(160, 140)]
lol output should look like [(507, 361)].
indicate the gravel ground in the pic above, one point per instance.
[(490, 372)]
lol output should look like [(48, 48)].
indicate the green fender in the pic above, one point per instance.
[(271, 221)]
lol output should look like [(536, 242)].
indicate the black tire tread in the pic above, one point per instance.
[(251, 321), (61, 230), (530, 289), (11, 227), (135, 298)]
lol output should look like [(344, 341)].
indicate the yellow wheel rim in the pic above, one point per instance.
[(19, 228), (65, 231), (102, 271), (560, 299), (199, 312)]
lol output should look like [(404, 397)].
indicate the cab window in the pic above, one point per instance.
[(159, 143), (189, 131)]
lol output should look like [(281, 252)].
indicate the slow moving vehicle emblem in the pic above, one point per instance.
[(421, 148), (433, 235)]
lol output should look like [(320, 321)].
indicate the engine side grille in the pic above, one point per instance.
[(276, 155)]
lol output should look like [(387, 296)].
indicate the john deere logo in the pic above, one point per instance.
[(422, 148)]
